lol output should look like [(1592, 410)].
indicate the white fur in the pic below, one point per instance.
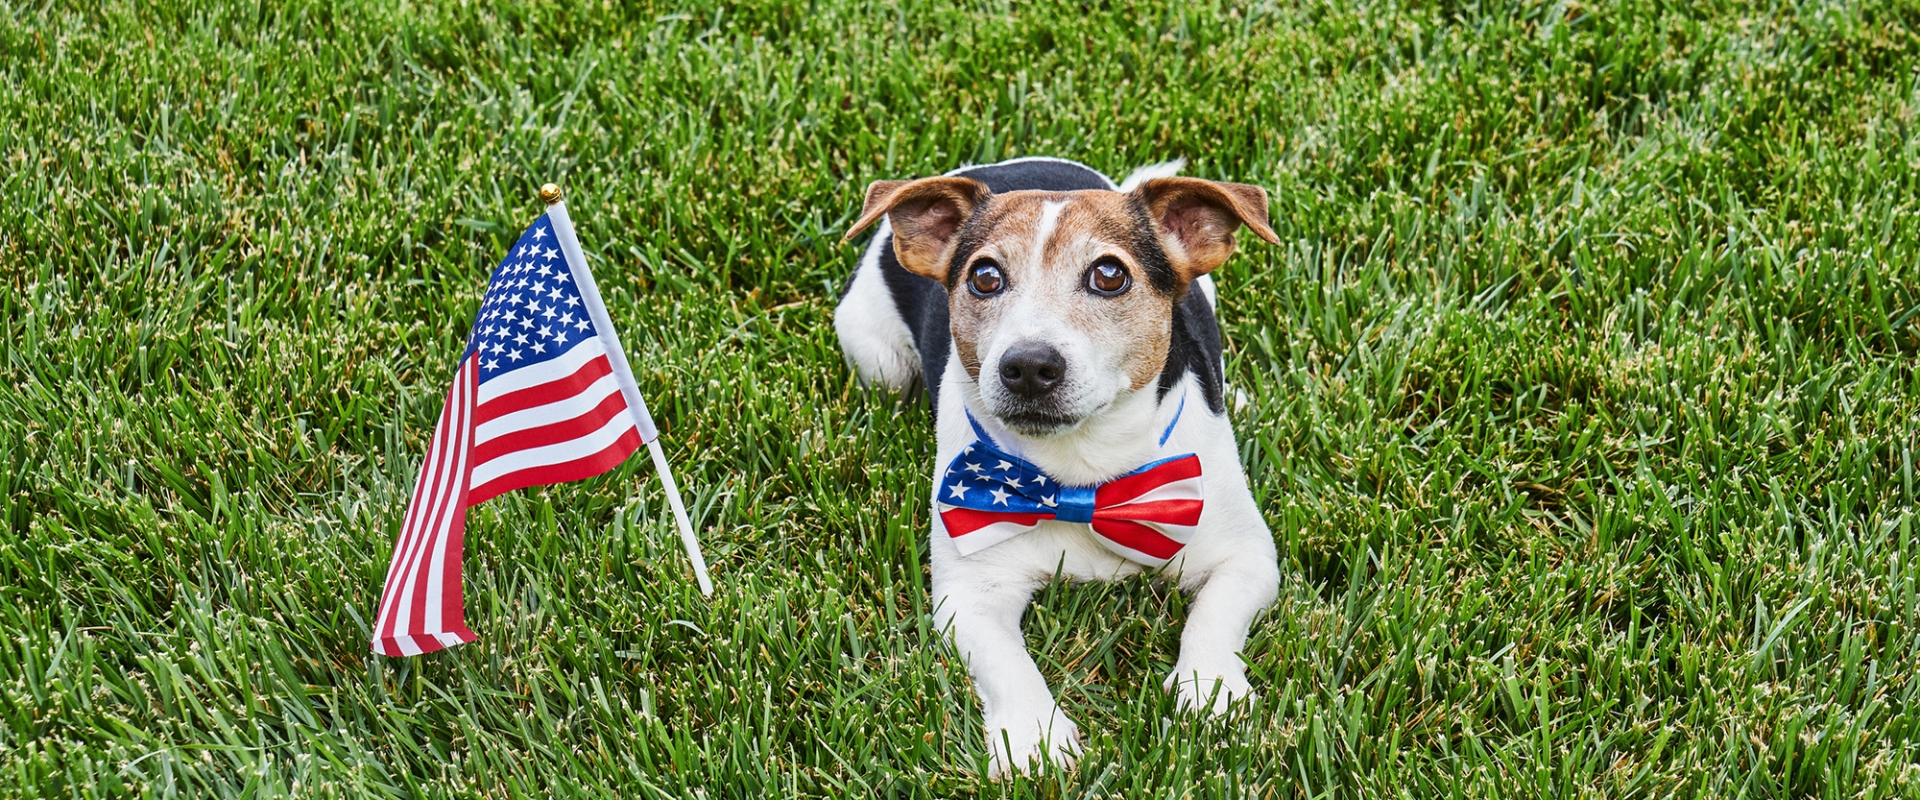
[(1049, 220), (873, 337), (1164, 169)]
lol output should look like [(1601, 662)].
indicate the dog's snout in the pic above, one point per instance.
[(1032, 369)]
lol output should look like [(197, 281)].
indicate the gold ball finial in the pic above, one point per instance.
[(551, 194)]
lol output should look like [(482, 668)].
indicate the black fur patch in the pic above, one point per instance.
[(1195, 347), (1045, 176), (1147, 250), (922, 303)]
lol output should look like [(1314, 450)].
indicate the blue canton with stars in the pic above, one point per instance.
[(532, 311)]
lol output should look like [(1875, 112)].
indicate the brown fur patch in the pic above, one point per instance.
[(1045, 254)]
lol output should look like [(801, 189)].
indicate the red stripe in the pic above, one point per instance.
[(544, 393), (1138, 537), (1127, 487), (1165, 512), (453, 502), (453, 597), (449, 490), (584, 467), (962, 521), (563, 431), (390, 645), (383, 621), (425, 504), (403, 550)]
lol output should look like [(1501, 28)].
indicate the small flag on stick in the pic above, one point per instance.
[(542, 395)]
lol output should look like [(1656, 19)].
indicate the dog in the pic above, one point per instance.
[(1079, 397)]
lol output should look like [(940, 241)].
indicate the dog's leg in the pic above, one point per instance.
[(1023, 721), (873, 334), (1210, 674)]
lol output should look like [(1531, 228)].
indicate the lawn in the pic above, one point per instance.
[(1581, 397)]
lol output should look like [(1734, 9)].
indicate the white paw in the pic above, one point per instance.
[(1213, 690), (1019, 742)]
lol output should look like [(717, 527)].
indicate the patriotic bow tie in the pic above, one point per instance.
[(987, 497)]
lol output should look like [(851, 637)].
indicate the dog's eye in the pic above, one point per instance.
[(986, 280), (1108, 277)]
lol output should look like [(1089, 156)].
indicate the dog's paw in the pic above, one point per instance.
[(1213, 691), (1019, 743)]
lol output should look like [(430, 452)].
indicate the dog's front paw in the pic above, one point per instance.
[(1213, 690), (1019, 742)]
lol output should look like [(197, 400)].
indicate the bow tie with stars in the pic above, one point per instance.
[(986, 497)]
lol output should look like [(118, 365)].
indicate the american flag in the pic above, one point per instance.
[(543, 394), (986, 497)]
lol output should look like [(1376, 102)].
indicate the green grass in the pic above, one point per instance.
[(1583, 401)]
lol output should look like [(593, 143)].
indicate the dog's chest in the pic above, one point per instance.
[(1141, 430)]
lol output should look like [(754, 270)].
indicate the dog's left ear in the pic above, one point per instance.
[(1196, 218)]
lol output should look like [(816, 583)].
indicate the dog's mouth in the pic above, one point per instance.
[(1038, 423), (1035, 419)]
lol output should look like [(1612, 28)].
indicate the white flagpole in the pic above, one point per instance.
[(623, 374), (680, 515)]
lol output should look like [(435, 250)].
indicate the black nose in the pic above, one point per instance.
[(1032, 369)]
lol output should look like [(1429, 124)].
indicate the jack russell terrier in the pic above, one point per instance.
[(1079, 398)]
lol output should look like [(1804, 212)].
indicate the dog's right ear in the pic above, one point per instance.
[(926, 216)]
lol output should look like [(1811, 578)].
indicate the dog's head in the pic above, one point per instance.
[(1062, 300)]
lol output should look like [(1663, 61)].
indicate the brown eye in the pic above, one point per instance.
[(1107, 277), (986, 280)]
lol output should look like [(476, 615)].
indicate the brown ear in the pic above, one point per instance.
[(926, 216), (1196, 219)]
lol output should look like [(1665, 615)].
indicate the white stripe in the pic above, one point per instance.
[(984, 537), (433, 475), (1183, 489), (1131, 554), (436, 568), (565, 364), (429, 524), (560, 453), (556, 411), (408, 532), (403, 597)]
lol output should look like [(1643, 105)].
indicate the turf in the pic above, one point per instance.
[(1581, 397)]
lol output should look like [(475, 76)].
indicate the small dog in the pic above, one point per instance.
[(1078, 390)]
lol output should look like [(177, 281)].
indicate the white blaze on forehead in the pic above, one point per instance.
[(1049, 219)]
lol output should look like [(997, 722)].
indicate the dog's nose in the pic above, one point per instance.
[(1032, 369)]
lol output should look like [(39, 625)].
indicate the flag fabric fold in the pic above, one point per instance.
[(543, 394)]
